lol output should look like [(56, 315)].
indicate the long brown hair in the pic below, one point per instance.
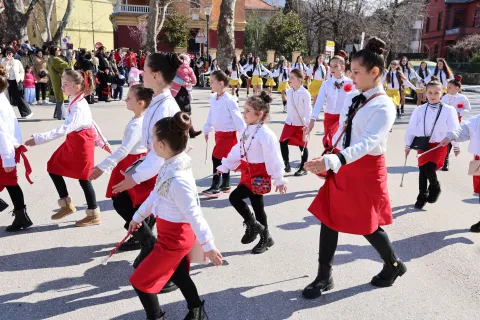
[(83, 78), (446, 69)]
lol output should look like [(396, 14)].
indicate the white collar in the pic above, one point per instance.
[(160, 96), (371, 92)]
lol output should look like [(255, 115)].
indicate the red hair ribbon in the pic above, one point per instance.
[(342, 54), (460, 105), (458, 78), (347, 87)]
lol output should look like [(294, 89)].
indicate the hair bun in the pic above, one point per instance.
[(3, 72), (265, 97), (181, 122), (458, 78), (174, 60), (434, 78), (376, 45)]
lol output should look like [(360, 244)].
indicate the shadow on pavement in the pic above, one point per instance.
[(35, 229), (401, 169), (307, 222)]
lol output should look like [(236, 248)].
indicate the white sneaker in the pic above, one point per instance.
[(44, 102), (29, 116)]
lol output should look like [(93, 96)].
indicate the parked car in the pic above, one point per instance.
[(416, 66)]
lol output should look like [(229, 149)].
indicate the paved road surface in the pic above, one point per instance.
[(53, 270)]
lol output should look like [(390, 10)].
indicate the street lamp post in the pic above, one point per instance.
[(208, 12)]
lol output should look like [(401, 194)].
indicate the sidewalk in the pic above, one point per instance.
[(468, 88)]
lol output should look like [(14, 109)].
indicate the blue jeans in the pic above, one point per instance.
[(29, 95)]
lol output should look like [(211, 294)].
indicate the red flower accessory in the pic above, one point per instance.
[(460, 106), (458, 78), (347, 87)]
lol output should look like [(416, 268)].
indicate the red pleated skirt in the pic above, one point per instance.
[(75, 157), (224, 142), (249, 171), (140, 192), (476, 180), (437, 156), (294, 135), (355, 200), (330, 127), (174, 242), (8, 179)]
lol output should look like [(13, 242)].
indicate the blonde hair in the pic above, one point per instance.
[(82, 78)]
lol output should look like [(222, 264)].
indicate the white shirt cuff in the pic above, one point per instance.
[(209, 246), (223, 169), (332, 162)]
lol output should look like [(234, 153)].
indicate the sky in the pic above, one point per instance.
[(280, 3)]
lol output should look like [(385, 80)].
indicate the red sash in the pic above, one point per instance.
[(294, 135), (476, 180), (330, 127), (10, 178), (224, 142), (249, 171)]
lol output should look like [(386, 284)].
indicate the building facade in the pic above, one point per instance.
[(448, 21), (129, 15)]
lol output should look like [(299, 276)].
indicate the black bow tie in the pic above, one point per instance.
[(356, 102), (338, 85), (434, 105)]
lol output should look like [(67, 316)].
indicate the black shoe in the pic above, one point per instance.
[(402, 111), (21, 221), (434, 193), (265, 242), (161, 316), (475, 228), (169, 287), (147, 243), (193, 134), (445, 165), (225, 187), (236, 92), (421, 200), (300, 172), (130, 245), (399, 116), (212, 192), (197, 313), (389, 274), (254, 228), (287, 167), (323, 282)]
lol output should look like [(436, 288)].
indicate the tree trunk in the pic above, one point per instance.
[(17, 19), (226, 34), (47, 13), (62, 25), (151, 41)]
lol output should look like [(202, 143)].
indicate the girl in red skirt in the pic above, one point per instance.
[(332, 92), (354, 198), (299, 111), (432, 121), (468, 130), (127, 202), (180, 223), (225, 118), (75, 157), (10, 151), (257, 156)]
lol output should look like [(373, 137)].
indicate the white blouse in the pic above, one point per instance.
[(370, 128), (468, 130), (301, 66), (131, 144), (283, 75), (334, 97), (447, 122), (78, 117), (161, 106), (442, 76), (235, 75), (224, 115), (259, 70), (264, 148), (299, 107), (320, 73), (175, 199), (10, 135), (394, 83), (456, 100)]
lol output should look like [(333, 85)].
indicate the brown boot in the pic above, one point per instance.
[(92, 218), (66, 208)]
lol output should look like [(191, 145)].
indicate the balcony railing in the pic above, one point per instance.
[(136, 9)]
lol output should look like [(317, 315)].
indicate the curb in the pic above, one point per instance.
[(474, 90)]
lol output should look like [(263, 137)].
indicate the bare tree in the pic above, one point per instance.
[(156, 19), (226, 34), (17, 17), (139, 32), (47, 9)]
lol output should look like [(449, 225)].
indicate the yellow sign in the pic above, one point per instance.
[(330, 43)]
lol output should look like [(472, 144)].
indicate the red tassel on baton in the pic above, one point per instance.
[(105, 260)]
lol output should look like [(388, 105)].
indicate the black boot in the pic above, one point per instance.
[(475, 228), (147, 242), (225, 187), (287, 167), (445, 164), (21, 221), (434, 193), (192, 133), (197, 313), (169, 287), (399, 116), (265, 242), (254, 228), (284, 106), (214, 190), (159, 317), (236, 92), (130, 245), (391, 270), (402, 110), (421, 200), (300, 172), (323, 282)]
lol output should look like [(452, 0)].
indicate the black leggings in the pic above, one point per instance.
[(40, 86), (329, 239), (216, 178), (236, 199), (16, 194), (285, 153), (181, 278), (86, 185), (124, 207), (427, 175)]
